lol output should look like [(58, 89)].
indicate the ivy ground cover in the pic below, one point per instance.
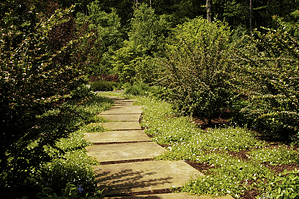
[(232, 158)]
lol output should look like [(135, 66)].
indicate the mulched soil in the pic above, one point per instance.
[(221, 120)]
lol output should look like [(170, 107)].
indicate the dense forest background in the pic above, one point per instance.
[(235, 12), (50, 51)]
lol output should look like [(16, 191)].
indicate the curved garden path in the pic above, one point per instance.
[(126, 154)]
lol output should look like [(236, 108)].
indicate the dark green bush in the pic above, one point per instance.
[(267, 73), (42, 62), (137, 89), (101, 86), (135, 61), (197, 68)]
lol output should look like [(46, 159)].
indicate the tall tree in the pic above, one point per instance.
[(250, 16), (209, 10)]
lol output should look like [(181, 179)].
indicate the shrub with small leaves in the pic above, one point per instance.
[(101, 85), (267, 73), (197, 68), (42, 63)]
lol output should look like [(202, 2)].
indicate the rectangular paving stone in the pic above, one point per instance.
[(133, 117), (124, 151), (143, 176), (169, 196), (116, 126), (123, 102), (117, 136), (120, 109)]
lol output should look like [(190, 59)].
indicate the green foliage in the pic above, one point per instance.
[(92, 127), (124, 61), (273, 156), (285, 185), (197, 68), (137, 89), (135, 60), (267, 73), (107, 29), (216, 148), (68, 161), (148, 29), (232, 177), (41, 64), (69, 192), (159, 119), (80, 92), (101, 85), (200, 146)]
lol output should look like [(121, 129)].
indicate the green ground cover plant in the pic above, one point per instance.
[(236, 161), (69, 166)]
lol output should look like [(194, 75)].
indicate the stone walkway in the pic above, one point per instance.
[(126, 155)]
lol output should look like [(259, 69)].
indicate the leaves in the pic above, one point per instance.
[(40, 66), (268, 75), (196, 68)]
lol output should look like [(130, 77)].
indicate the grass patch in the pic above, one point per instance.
[(239, 163)]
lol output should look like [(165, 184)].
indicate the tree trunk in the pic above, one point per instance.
[(250, 16), (209, 10)]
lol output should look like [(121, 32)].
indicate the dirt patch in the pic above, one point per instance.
[(280, 168), (202, 167), (243, 155), (222, 119)]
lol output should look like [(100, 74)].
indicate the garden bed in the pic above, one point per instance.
[(235, 160)]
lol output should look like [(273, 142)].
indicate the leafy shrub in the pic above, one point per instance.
[(42, 62), (107, 29), (70, 191), (137, 89), (101, 86), (135, 60), (81, 92), (267, 74), (197, 68)]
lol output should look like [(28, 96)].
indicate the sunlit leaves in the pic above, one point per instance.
[(267, 73), (196, 68), (40, 67)]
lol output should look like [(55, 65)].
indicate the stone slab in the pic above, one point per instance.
[(143, 176), (117, 126), (134, 117), (123, 102), (169, 196), (117, 136), (121, 109), (124, 151)]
